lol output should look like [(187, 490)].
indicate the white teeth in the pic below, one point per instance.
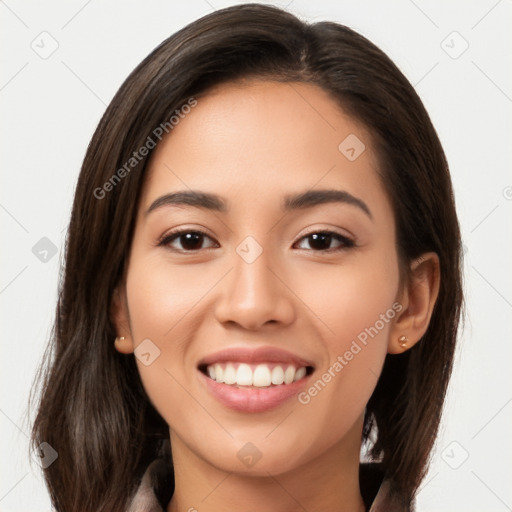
[(219, 373), (289, 375), (230, 374), (277, 375), (261, 376), (244, 375), (301, 372)]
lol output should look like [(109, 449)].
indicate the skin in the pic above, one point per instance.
[(252, 142)]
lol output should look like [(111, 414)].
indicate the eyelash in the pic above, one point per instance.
[(166, 239)]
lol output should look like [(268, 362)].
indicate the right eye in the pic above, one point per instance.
[(191, 240)]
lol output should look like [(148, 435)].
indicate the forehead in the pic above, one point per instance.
[(260, 138)]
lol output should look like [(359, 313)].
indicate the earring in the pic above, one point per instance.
[(119, 339), (402, 341)]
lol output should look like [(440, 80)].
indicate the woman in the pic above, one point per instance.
[(262, 278)]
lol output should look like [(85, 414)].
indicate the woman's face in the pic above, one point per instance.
[(265, 291)]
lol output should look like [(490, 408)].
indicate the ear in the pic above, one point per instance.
[(418, 297), (120, 318)]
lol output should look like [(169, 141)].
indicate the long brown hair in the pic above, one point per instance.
[(93, 409)]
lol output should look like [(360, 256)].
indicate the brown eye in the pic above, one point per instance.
[(185, 240), (323, 240)]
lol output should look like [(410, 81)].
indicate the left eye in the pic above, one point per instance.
[(322, 240)]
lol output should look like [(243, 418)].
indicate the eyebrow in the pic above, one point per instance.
[(290, 202), (314, 197), (190, 198)]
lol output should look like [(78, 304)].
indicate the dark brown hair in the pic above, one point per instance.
[(93, 409)]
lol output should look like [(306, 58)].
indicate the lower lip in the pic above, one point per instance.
[(253, 399)]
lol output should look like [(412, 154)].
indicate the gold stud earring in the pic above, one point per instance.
[(402, 341), (120, 339)]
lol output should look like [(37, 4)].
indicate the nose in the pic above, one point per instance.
[(255, 294)]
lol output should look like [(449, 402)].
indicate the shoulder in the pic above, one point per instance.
[(155, 488)]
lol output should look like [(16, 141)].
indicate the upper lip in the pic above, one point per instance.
[(255, 355)]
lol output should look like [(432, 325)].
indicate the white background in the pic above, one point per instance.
[(51, 106)]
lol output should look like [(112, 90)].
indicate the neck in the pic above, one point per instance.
[(328, 482)]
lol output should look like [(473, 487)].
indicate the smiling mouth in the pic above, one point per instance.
[(261, 375)]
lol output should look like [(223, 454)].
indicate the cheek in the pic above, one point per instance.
[(160, 296), (351, 297), (162, 301), (356, 305)]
